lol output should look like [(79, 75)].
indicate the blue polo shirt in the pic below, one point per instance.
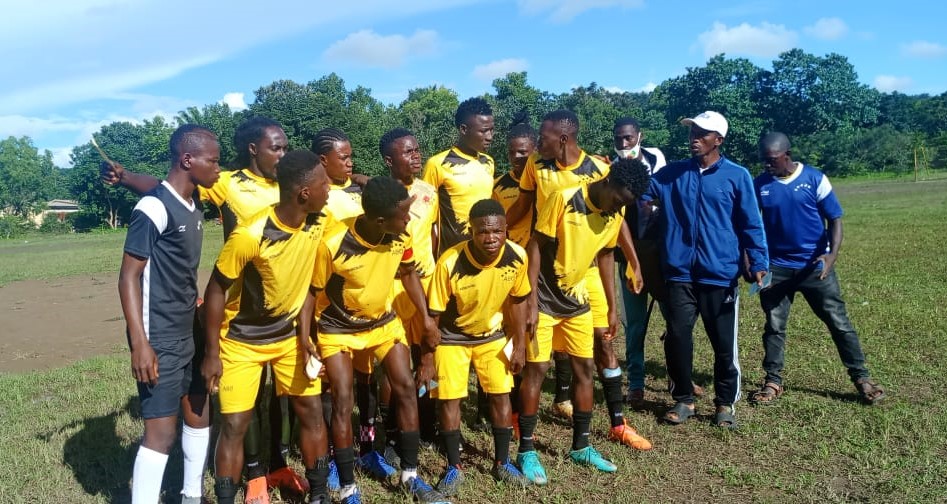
[(795, 210)]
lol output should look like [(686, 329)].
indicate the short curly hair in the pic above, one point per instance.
[(381, 196), (389, 138), (250, 131), (631, 174), (486, 208), (470, 107)]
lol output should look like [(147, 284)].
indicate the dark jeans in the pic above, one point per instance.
[(717, 307), (825, 299)]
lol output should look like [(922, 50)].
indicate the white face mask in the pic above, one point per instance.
[(632, 152)]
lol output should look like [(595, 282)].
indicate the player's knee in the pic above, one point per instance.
[(234, 425)]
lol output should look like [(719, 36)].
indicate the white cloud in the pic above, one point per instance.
[(613, 89), (235, 101), (499, 68), (923, 49), (765, 41), (368, 48), (889, 83), (562, 11), (647, 88), (827, 29), (59, 52)]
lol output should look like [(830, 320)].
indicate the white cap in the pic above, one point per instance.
[(709, 121)]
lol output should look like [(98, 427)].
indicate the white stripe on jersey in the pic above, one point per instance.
[(145, 295), (824, 189), (154, 209)]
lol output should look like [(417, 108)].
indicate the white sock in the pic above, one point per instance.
[(194, 442), (407, 474), (146, 476), (347, 490)]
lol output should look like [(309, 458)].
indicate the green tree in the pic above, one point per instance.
[(221, 120), (28, 179), (429, 113)]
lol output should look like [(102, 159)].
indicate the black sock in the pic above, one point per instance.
[(452, 446), (225, 490), (345, 461), (389, 418), (581, 424), (318, 478), (410, 443), (613, 400), (427, 417), (501, 444), (278, 417), (527, 426), (563, 378), (367, 398)]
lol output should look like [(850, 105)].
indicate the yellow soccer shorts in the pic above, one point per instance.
[(365, 347), (243, 365), (452, 363), (572, 335), (597, 301), (406, 311)]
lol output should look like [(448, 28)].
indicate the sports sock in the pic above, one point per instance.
[(367, 397), (146, 475), (318, 478), (389, 417), (501, 444), (527, 426), (410, 443), (613, 399), (452, 446), (225, 490), (345, 460), (563, 377), (194, 442), (581, 424)]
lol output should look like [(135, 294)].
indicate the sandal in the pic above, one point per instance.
[(871, 392), (725, 419), (679, 413), (767, 394)]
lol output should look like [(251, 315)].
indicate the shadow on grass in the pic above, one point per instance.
[(102, 460)]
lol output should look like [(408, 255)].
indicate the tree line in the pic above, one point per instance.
[(836, 123)]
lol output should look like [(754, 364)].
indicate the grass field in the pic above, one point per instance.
[(69, 435)]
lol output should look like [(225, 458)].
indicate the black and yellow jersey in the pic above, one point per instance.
[(460, 181), (545, 176), (469, 296), (506, 190), (424, 212), (345, 201), (355, 279), (577, 231), (240, 195), (270, 267)]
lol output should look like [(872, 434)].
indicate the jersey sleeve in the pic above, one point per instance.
[(439, 291), (239, 249), (322, 270), (432, 172), (521, 284), (547, 221), (217, 193), (829, 207), (149, 219), (613, 239), (528, 178), (407, 257)]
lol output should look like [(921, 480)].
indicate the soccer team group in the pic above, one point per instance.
[(326, 275)]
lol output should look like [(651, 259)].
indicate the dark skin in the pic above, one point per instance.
[(518, 151), (778, 162), (338, 162), (397, 363), (264, 154), (488, 235), (475, 135), (294, 206), (626, 137), (403, 159), (200, 167)]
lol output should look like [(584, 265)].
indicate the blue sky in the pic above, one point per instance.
[(71, 66)]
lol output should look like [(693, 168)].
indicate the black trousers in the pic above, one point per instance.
[(718, 310)]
